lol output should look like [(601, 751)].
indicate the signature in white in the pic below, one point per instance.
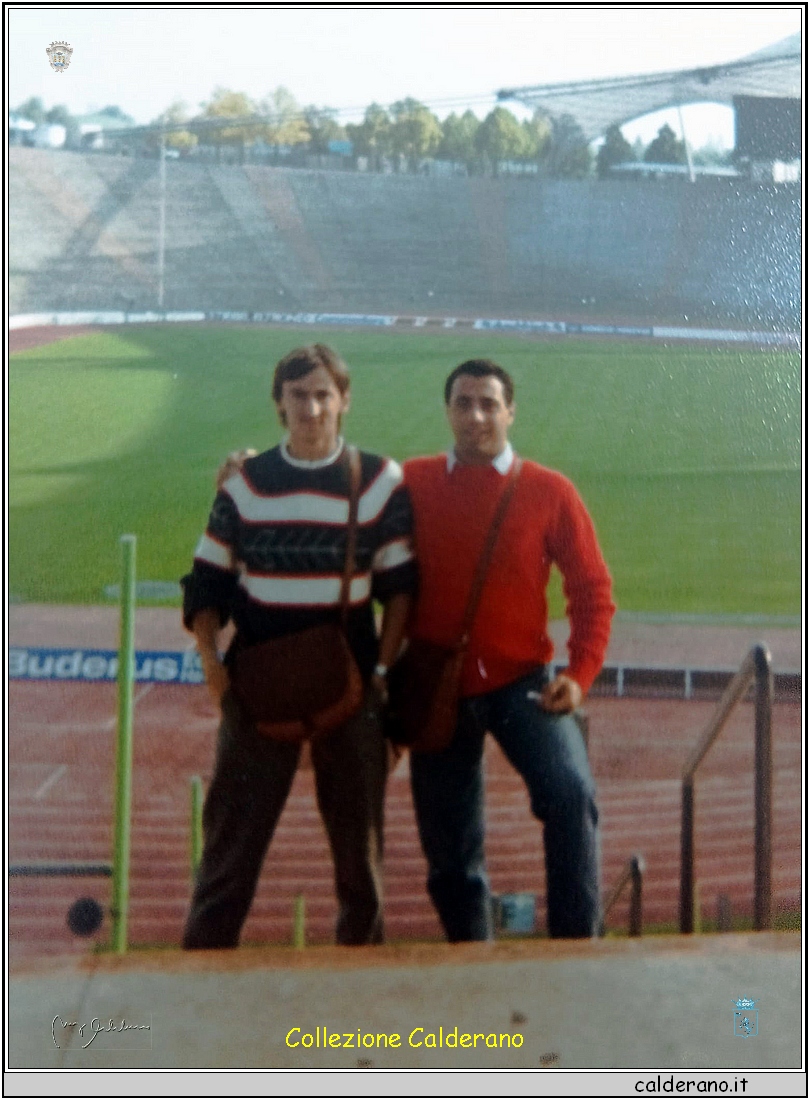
[(96, 1026)]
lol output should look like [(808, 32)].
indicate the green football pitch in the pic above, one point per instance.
[(688, 456)]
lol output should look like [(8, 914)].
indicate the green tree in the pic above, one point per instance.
[(112, 111), (181, 140), (665, 148), (287, 124), (33, 109), (415, 132), (501, 137), (615, 149), (458, 140), (372, 137), (323, 127), (537, 132), (59, 116), (567, 154), (712, 154), (225, 104)]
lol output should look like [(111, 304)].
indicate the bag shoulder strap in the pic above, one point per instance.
[(486, 554), (351, 532)]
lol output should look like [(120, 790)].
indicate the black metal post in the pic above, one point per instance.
[(636, 879), (687, 914), (762, 788), (724, 921)]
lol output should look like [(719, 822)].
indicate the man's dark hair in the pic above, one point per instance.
[(481, 368), (299, 362)]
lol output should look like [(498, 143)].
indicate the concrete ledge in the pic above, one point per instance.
[(658, 1001)]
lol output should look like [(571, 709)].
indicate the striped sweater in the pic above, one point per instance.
[(272, 554)]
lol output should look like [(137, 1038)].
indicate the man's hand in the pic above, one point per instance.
[(233, 464), (216, 679), (561, 696), (395, 753), (206, 629), (380, 685)]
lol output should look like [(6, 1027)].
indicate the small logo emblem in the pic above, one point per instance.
[(59, 54), (746, 1018)]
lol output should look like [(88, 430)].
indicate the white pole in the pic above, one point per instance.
[(689, 164), (162, 221)]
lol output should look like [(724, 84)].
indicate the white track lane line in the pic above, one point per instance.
[(54, 777), (89, 727), (61, 727), (112, 722)]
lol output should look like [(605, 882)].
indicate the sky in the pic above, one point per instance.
[(142, 58)]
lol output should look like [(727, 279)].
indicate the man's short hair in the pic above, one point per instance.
[(481, 368), (299, 362)]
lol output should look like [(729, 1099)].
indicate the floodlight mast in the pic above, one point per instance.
[(686, 148), (162, 220)]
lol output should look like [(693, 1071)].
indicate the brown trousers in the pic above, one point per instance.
[(252, 779)]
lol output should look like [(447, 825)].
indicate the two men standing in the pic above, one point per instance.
[(506, 684)]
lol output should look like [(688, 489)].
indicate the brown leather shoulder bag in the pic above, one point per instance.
[(424, 684), (305, 684)]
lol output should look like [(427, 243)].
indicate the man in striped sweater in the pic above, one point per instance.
[(507, 686), (271, 560)]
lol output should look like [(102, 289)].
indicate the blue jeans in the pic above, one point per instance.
[(448, 790)]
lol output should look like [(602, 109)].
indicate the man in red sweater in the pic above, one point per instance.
[(508, 687)]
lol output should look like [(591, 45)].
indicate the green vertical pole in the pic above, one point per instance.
[(123, 756), (299, 922), (196, 824), (697, 918)]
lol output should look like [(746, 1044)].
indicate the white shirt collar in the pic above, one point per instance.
[(501, 462), (310, 463)]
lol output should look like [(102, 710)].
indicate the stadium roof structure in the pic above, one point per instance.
[(775, 70)]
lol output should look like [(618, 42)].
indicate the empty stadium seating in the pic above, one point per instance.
[(84, 233)]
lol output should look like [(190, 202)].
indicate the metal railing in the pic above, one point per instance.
[(756, 667), (60, 869), (86, 915), (634, 874)]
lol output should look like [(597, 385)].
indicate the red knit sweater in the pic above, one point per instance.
[(546, 523)]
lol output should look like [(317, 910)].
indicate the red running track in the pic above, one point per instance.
[(61, 777)]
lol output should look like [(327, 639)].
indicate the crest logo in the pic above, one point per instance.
[(59, 54), (746, 1018)]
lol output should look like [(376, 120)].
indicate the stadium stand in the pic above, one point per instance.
[(94, 228), (260, 238), (304, 261), (394, 243), (712, 249)]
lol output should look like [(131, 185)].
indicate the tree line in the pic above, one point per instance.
[(401, 137), (404, 136)]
